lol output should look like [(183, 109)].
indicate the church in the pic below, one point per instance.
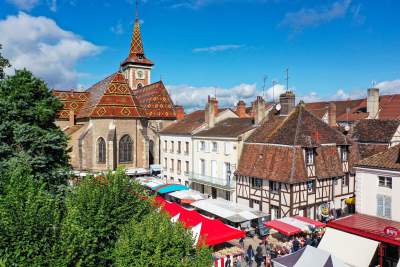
[(115, 123)]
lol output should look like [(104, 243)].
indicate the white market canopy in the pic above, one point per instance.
[(188, 196), (136, 171), (349, 247), (228, 210), (149, 181)]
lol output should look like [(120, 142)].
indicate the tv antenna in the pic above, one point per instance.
[(263, 89), (287, 79), (273, 90), (373, 83)]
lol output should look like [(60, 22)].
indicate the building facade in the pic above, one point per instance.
[(116, 122)]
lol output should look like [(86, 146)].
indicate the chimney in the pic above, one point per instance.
[(180, 113), (71, 118), (211, 111), (373, 103), (241, 109), (332, 114), (287, 101), (259, 110)]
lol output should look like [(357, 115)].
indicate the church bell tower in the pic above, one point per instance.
[(137, 67)]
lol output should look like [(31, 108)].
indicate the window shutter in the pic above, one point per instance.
[(224, 170), (388, 207), (379, 202)]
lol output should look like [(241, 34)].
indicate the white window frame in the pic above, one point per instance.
[(309, 156), (214, 146), (384, 206), (385, 181)]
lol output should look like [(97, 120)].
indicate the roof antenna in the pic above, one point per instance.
[(287, 79), (263, 89), (373, 83), (215, 92)]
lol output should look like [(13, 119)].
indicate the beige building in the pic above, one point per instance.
[(116, 122)]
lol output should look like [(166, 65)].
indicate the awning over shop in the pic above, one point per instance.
[(212, 232), (168, 188), (150, 182), (349, 247), (371, 227), (309, 221), (228, 210), (309, 257), (188, 196), (283, 228)]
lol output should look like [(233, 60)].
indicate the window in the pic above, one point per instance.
[(172, 147), (186, 167), (227, 148), (309, 156), (227, 170), (186, 147), (214, 147), (384, 206), (165, 163), (125, 149), (202, 146), (179, 181), (311, 186), (172, 165), (214, 168), (179, 147), (101, 150), (274, 211), (345, 180), (274, 186), (344, 153), (256, 183), (202, 167), (165, 145), (179, 166), (385, 181), (228, 195)]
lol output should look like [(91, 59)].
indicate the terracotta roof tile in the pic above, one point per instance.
[(231, 127), (388, 159), (367, 150), (186, 126), (377, 131)]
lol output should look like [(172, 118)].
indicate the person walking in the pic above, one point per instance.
[(228, 261), (241, 242), (250, 256), (259, 258)]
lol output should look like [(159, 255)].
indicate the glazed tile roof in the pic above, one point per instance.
[(274, 151), (375, 131), (388, 159), (71, 100), (190, 123), (111, 97), (231, 127), (155, 101)]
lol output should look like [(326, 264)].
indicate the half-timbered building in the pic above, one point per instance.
[(295, 164)]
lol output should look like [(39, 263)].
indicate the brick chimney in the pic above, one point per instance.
[(373, 103), (332, 114), (241, 109), (180, 113), (211, 111), (287, 101), (259, 110), (71, 118)]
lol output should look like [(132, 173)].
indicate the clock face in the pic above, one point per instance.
[(140, 74)]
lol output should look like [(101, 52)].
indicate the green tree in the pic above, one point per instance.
[(29, 219), (157, 242), (95, 211), (4, 63), (28, 111)]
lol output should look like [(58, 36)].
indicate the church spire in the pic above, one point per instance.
[(136, 42)]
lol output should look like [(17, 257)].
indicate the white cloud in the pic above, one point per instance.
[(389, 87), (217, 48), (118, 29), (41, 46), (193, 98), (307, 17), (24, 4)]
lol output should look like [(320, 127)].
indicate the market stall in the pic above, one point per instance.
[(168, 188), (308, 257), (290, 226), (187, 196)]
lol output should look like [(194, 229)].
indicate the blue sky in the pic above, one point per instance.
[(333, 49)]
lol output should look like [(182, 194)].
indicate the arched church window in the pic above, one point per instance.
[(101, 150), (125, 149)]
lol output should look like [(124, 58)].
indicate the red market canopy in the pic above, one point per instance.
[(315, 223), (212, 231), (283, 228)]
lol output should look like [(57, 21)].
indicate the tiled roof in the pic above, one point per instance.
[(111, 97), (155, 101), (231, 127), (376, 131), (72, 129), (388, 159), (275, 150), (71, 100), (186, 126), (366, 150)]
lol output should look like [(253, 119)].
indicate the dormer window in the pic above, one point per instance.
[(309, 156), (344, 153)]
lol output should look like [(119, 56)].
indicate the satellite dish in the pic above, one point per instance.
[(347, 128), (278, 107)]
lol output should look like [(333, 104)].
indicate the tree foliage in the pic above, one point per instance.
[(95, 211), (29, 219), (157, 242), (27, 128), (4, 63)]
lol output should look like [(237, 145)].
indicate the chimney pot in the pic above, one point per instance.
[(373, 103), (288, 102), (332, 114), (180, 113), (241, 109)]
